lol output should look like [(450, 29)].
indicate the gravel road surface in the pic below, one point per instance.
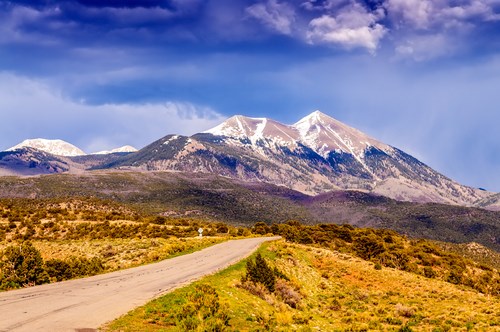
[(83, 305)]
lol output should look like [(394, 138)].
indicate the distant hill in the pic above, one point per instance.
[(216, 198), (29, 161)]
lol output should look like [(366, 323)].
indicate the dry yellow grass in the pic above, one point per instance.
[(351, 293), (339, 293), (123, 253)]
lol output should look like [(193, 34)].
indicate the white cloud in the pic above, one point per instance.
[(277, 16), (431, 14), (429, 29), (320, 5), (426, 47), (31, 109), (415, 12), (351, 27)]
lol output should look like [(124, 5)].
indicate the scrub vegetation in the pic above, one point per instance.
[(325, 277), (177, 195), (386, 248), (52, 240), (317, 289)]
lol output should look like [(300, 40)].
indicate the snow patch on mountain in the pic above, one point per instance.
[(255, 130), (56, 147), (123, 149), (173, 138), (324, 134)]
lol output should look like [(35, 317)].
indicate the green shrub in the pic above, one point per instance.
[(261, 228), (368, 246), (429, 272), (259, 271), (202, 311), (73, 267), (22, 266), (455, 276)]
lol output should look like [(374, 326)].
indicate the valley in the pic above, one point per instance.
[(337, 273), (212, 198)]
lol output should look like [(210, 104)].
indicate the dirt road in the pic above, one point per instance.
[(85, 304)]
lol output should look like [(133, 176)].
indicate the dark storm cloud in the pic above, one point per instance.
[(403, 25), (93, 22), (127, 3)]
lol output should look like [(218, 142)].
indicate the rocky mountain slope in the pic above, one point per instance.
[(42, 156), (29, 161), (491, 202), (315, 155)]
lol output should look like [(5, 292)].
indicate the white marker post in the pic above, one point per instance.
[(200, 232)]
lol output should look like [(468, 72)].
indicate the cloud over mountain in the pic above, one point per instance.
[(352, 27), (93, 127), (277, 16)]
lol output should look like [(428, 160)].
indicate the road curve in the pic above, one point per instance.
[(85, 304)]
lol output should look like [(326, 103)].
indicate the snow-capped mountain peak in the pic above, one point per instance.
[(324, 134), (316, 116), (125, 148), (315, 155), (56, 147), (318, 131), (238, 126), (254, 129)]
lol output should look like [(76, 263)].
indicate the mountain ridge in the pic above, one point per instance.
[(317, 154)]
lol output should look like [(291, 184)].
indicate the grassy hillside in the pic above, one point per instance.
[(432, 221), (322, 290), (49, 240), (389, 249), (176, 194), (213, 198)]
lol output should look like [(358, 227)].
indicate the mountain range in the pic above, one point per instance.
[(61, 148), (317, 154), (45, 156)]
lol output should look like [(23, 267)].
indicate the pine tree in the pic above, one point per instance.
[(261, 272)]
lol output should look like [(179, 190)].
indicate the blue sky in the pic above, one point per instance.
[(420, 75)]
